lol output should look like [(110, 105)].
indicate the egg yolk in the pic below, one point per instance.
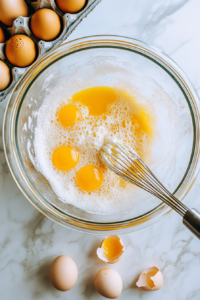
[(96, 99), (150, 282), (142, 120), (68, 115), (84, 120), (112, 247), (89, 178), (65, 158)]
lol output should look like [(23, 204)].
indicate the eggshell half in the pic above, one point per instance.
[(102, 256), (157, 280)]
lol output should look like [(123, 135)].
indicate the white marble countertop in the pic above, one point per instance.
[(29, 241)]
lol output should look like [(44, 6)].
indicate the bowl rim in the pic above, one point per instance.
[(16, 99)]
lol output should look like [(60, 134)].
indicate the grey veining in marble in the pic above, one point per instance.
[(29, 241)]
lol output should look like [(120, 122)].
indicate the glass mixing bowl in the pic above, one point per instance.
[(122, 62)]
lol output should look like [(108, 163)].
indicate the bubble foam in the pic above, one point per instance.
[(88, 135)]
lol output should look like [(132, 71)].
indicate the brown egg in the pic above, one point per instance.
[(45, 24), (11, 10), (21, 51), (71, 6), (63, 273), (2, 36), (108, 283), (4, 76)]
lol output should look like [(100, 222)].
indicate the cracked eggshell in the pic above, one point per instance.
[(101, 253), (152, 274)]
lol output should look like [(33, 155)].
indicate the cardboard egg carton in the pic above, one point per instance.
[(22, 26)]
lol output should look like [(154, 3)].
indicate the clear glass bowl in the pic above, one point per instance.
[(107, 60)]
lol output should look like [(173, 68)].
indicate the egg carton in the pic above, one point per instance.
[(22, 26)]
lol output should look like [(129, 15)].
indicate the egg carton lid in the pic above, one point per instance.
[(22, 26)]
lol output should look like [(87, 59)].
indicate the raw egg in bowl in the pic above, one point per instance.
[(74, 99)]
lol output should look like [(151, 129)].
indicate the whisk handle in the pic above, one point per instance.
[(191, 220)]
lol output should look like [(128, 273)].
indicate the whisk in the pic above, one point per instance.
[(125, 162)]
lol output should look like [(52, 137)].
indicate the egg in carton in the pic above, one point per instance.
[(16, 73), (22, 26)]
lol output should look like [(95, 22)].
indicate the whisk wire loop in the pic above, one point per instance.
[(125, 162)]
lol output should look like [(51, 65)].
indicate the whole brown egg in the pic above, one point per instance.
[(21, 51), (4, 76), (11, 10), (71, 6), (63, 273), (45, 24), (2, 36), (108, 283)]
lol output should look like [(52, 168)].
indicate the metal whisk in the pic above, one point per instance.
[(125, 162)]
